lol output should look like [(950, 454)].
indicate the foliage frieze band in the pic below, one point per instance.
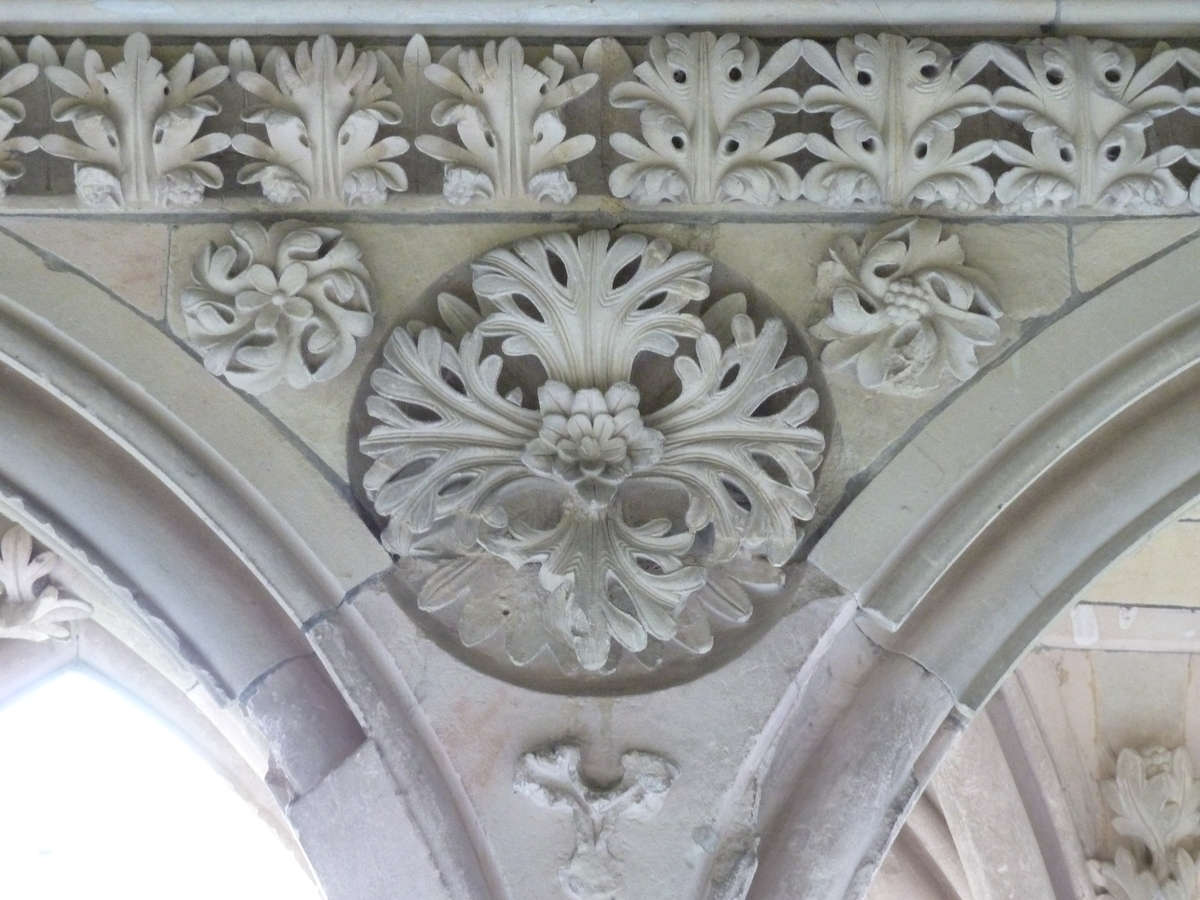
[(892, 122)]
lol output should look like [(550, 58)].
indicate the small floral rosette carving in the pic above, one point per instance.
[(592, 519), (906, 312), (284, 304)]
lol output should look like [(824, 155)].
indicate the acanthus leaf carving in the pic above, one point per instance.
[(906, 310), (322, 115), (896, 105), (507, 117), (284, 304), (1086, 106), (31, 607), (642, 518), (707, 115), (1155, 801), (14, 75), (138, 127), (552, 778)]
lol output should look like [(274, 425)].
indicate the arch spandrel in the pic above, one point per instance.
[(1021, 440)]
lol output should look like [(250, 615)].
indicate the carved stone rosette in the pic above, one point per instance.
[(561, 497), (284, 304)]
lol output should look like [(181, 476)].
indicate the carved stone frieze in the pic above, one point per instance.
[(906, 311), (31, 607), (632, 502), (138, 127), (284, 304), (322, 113), (707, 114), (1155, 801), (892, 122), (552, 778), (507, 116)]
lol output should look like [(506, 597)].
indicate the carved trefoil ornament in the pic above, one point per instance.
[(629, 501), (1086, 106), (1155, 801), (707, 115), (507, 115), (322, 114), (552, 778), (906, 312), (285, 304), (31, 607), (896, 105), (138, 127)]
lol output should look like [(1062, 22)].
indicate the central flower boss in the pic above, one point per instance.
[(591, 440), (632, 515)]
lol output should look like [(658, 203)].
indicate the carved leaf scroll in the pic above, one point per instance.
[(31, 607), (1087, 106), (507, 116), (896, 104), (14, 75), (1155, 800), (642, 518), (284, 304), (552, 778), (322, 115), (138, 127), (707, 114)]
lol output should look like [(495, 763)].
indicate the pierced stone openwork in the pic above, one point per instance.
[(548, 489)]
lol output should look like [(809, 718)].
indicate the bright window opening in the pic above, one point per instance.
[(100, 800)]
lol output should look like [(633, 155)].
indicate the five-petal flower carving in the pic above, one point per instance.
[(278, 305), (905, 309), (624, 509)]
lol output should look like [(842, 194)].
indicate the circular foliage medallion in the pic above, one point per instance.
[(577, 471)]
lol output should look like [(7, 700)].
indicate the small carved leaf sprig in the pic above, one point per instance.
[(707, 115), (31, 607), (551, 778), (1086, 106), (14, 75), (322, 115), (581, 489), (1155, 800), (906, 311), (507, 116), (896, 104), (138, 127), (284, 304)]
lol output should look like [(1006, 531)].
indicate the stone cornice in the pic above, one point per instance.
[(498, 18)]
